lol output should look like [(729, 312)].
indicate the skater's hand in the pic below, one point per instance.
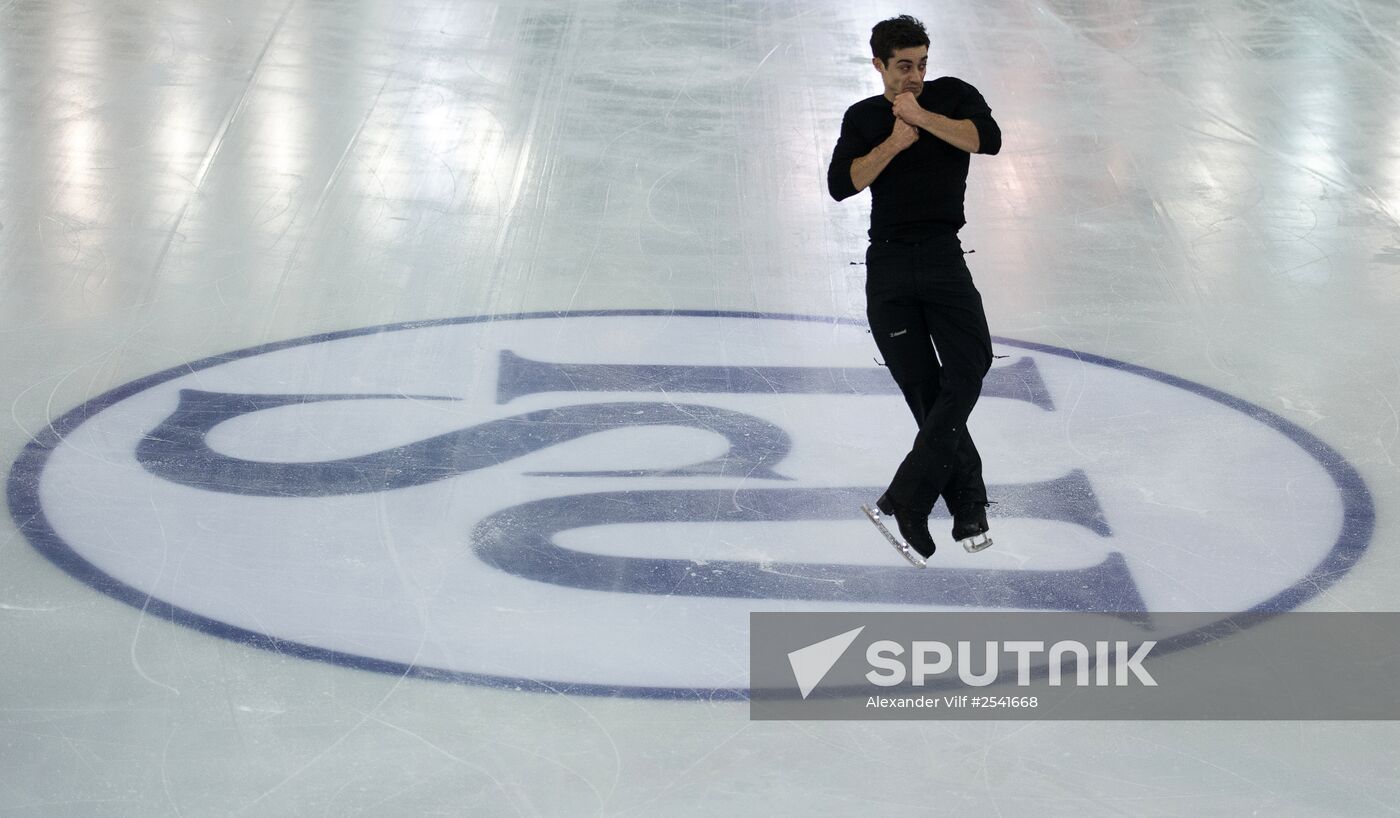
[(907, 108), (903, 135)]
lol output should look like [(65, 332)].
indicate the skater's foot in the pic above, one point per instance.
[(913, 526), (970, 527)]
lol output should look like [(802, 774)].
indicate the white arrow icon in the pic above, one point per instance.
[(811, 664)]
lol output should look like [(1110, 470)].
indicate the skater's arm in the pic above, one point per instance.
[(852, 170), (867, 168), (972, 129), (960, 133), (974, 109), (849, 147)]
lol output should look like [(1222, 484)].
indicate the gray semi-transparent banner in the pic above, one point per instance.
[(1294, 665)]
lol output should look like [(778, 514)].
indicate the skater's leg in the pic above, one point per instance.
[(920, 396), (896, 316), (897, 323), (940, 461), (932, 465), (966, 497), (962, 330), (907, 349), (896, 319), (920, 378), (966, 486), (965, 494)]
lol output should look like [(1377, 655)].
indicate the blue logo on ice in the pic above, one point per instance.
[(593, 502)]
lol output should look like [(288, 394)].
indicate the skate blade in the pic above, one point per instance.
[(904, 550), (977, 542)]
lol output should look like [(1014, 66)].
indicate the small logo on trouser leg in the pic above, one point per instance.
[(897, 334)]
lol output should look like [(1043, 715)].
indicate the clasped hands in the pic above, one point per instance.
[(907, 113)]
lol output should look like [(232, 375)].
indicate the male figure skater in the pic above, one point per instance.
[(911, 146)]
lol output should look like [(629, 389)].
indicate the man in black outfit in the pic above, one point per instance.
[(911, 147)]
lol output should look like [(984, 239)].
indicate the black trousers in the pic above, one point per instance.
[(927, 319)]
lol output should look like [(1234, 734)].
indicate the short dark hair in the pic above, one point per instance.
[(888, 36)]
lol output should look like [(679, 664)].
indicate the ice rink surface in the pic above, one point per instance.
[(409, 402)]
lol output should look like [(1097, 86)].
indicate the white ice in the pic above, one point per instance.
[(1210, 191)]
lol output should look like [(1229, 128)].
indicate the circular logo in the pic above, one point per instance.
[(593, 502)]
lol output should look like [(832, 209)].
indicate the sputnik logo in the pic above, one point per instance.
[(811, 664)]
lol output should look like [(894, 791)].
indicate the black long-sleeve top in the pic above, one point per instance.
[(920, 192)]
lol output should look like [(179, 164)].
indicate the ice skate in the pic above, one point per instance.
[(904, 550), (913, 529), (970, 528)]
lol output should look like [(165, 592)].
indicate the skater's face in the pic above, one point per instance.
[(904, 71)]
